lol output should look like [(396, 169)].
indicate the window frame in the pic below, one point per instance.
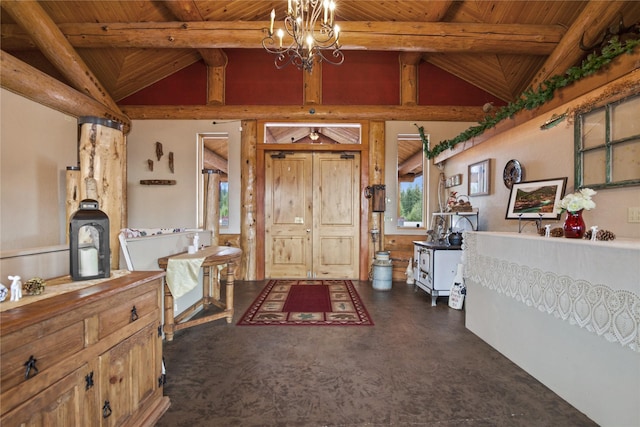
[(608, 146)]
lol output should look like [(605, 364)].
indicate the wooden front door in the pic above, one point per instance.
[(312, 215)]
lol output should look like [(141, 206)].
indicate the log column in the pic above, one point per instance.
[(376, 176), (102, 171), (249, 201)]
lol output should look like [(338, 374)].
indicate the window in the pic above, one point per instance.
[(215, 159), (608, 145), (410, 182)]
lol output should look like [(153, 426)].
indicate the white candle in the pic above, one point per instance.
[(326, 8), (332, 7), (280, 35), (88, 261), (336, 31), (273, 17)]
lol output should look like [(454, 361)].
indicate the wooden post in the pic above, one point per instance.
[(313, 85), (215, 85), (249, 201), (101, 173), (377, 159), (409, 77)]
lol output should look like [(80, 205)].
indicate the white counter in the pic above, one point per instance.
[(565, 310)]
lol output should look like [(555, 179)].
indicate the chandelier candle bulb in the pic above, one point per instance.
[(332, 7), (326, 10), (273, 17)]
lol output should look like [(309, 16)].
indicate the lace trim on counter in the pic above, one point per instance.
[(612, 314)]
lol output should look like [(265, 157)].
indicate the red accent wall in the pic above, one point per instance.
[(252, 79), (438, 87), (364, 78), (185, 87)]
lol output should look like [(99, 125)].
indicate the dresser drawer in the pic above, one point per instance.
[(33, 357), (127, 312)]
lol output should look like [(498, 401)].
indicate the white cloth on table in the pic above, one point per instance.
[(183, 273)]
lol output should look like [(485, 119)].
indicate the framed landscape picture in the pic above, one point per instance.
[(536, 199)]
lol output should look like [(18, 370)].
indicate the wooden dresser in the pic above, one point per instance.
[(89, 356)]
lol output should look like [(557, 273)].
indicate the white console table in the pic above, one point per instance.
[(565, 310)]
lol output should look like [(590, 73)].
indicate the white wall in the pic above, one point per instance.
[(544, 154), (36, 145), (176, 206)]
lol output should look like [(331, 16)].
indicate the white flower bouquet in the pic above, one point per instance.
[(577, 201)]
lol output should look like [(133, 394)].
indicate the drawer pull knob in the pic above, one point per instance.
[(106, 409), (160, 330), (31, 368), (134, 314)]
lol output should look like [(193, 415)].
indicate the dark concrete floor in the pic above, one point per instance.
[(418, 366)]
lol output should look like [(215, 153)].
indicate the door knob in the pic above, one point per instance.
[(308, 230)]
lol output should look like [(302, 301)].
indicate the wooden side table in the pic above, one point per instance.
[(213, 256)]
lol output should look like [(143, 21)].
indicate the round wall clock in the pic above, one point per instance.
[(512, 173)]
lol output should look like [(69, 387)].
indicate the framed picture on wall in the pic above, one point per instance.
[(536, 199), (478, 178)]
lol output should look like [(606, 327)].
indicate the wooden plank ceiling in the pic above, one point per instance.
[(498, 46)]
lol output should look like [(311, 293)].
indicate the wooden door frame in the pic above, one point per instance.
[(262, 149)]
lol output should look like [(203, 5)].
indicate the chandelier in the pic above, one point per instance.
[(310, 34)]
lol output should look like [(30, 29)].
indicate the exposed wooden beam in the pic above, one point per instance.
[(53, 44), (315, 113), (214, 161), (595, 18), (187, 10), (384, 36), (33, 84), (215, 59), (411, 163)]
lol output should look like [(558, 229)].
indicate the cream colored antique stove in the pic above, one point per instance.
[(434, 267)]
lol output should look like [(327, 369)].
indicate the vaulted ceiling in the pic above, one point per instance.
[(502, 47)]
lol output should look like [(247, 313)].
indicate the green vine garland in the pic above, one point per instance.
[(531, 99)]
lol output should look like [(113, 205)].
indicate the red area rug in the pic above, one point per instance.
[(307, 302)]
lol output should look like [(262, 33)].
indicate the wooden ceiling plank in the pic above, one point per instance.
[(57, 49), (142, 68)]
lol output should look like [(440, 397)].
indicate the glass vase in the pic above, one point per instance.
[(574, 226)]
